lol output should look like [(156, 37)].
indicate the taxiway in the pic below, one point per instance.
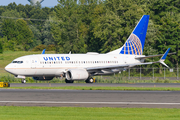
[(90, 98), (98, 84)]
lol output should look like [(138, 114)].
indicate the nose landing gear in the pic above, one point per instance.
[(23, 81)]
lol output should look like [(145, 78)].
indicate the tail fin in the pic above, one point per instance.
[(135, 43)]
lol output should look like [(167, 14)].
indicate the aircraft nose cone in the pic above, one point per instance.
[(10, 69), (7, 68)]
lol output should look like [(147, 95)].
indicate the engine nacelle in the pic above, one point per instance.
[(42, 78), (77, 74)]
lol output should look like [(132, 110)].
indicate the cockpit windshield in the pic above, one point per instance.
[(19, 62)]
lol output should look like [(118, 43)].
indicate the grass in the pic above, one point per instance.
[(82, 113), (3, 72), (101, 88), (6, 77)]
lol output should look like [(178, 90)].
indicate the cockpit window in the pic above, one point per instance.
[(17, 62)]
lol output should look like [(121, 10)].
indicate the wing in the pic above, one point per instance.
[(116, 66), (150, 56)]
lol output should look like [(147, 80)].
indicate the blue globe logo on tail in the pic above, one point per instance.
[(135, 43), (132, 46)]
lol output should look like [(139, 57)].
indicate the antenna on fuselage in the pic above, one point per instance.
[(43, 52), (70, 52)]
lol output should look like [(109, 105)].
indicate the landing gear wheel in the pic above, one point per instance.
[(89, 80), (69, 81), (23, 81)]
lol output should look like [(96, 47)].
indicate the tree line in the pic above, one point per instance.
[(90, 25)]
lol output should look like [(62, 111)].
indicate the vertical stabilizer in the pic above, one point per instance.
[(135, 43)]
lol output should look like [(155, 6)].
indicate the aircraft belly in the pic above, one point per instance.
[(25, 72), (47, 72), (38, 72)]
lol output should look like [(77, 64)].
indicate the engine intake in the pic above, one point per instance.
[(77, 74)]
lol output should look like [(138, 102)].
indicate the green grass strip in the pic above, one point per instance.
[(82, 113), (102, 88)]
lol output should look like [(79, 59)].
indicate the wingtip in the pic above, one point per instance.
[(165, 54), (164, 57)]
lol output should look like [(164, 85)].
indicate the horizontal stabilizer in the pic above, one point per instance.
[(164, 64)]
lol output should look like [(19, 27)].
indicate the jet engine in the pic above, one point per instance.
[(77, 74), (43, 78)]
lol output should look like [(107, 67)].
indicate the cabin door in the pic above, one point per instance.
[(33, 63)]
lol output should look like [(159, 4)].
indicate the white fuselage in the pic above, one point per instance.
[(57, 64)]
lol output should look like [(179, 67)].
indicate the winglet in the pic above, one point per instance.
[(165, 54), (164, 57), (43, 52)]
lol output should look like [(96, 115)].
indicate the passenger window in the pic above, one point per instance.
[(19, 62)]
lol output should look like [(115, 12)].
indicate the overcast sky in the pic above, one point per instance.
[(45, 3)]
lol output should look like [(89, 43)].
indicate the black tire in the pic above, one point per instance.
[(23, 81), (69, 81), (89, 80)]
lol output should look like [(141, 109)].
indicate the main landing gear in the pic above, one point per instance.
[(89, 80), (69, 81), (23, 81)]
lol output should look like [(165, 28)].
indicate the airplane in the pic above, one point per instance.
[(76, 67)]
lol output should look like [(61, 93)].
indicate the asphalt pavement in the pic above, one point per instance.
[(97, 84), (90, 98)]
